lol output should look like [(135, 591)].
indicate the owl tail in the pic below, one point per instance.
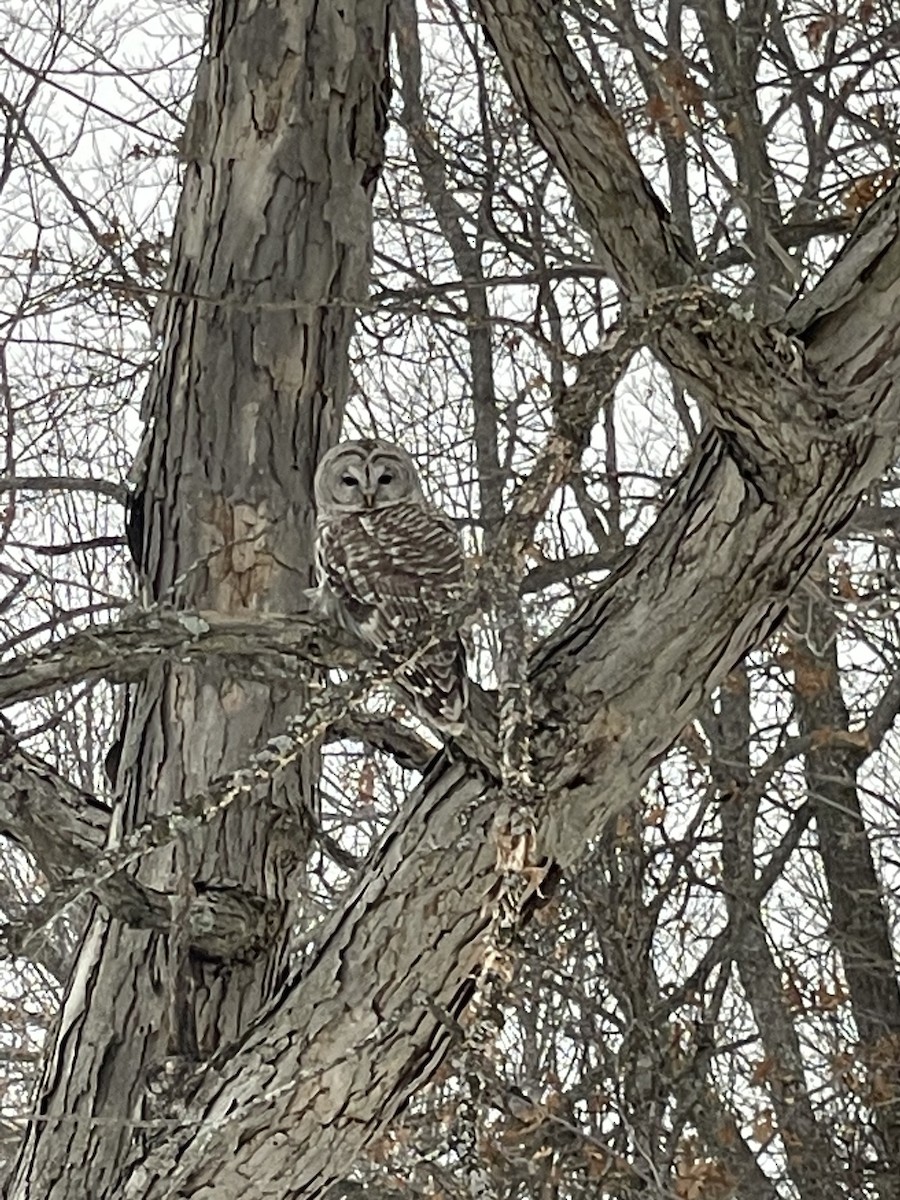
[(437, 686)]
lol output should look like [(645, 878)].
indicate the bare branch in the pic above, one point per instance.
[(616, 686), (62, 483), (266, 646), (632, 231), (386, 734)]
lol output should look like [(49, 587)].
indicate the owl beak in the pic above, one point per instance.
[(368, 499)]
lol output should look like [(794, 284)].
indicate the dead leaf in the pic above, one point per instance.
[(845, 586), (726, 1134), (701, 1178), (865, 190), (764, 1126), (763, 1070), (830, 1000), (598, 1162), (515, 850), (810, 680), (365, 788), (816, 30), (623, 826)]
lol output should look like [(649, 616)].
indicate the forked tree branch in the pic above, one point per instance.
[(65, 830), (758, 389), (343, 1046), (632, 232), (344, 1043)]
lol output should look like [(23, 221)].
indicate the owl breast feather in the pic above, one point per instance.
[(396, 569)]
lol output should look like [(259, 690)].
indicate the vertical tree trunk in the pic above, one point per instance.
[(270, 258), (808, 1152), (859, 926)]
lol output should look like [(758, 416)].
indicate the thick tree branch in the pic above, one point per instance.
[(759, 390), (342, 1047), (789, 236), (56, 822), (386, 734), (267, 646), (632, 232), (65, 830)]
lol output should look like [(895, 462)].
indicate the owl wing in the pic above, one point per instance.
[(395, 573), (395, 569)]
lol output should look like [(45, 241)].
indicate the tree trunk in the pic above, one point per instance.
[(811, 1163), (859, 926), (270, 259), (801, 422), (344, 1045)]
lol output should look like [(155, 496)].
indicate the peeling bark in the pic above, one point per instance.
[(344, 1045), (306, 1083), (269, 261)]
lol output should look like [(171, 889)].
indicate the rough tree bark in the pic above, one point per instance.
[(802, 419), (343, 1046), (808, 1150), (270, 259), (860, 927)]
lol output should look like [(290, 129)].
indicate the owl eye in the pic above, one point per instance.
[(348, 481), (385, 477)]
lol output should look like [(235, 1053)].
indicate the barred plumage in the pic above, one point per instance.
[(390, 570)]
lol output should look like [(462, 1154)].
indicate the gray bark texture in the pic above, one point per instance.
[(343, 1045), (270, 260), (300, 1071), (861, 925)]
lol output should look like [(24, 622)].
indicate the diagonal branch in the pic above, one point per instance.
[(65, 831), (759, 389), (56, 822), (371, 1016), (575, 415), (633, 235), (386, 734)]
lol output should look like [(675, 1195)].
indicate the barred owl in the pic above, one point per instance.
[(390, 570)]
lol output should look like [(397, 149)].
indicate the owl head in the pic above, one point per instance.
[(359, 476)]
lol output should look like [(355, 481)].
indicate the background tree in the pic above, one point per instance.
[(668, 438)]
